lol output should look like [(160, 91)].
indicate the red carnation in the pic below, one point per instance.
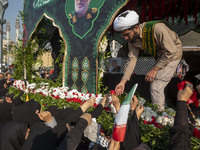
[(112, 92), (196, 133), (145, 122), (153, 120), (157, 125)]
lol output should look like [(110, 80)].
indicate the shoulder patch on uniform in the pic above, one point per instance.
[(94, 10), (88, 16), (74, 19), (70, 16)]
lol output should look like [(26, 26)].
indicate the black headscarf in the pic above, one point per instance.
[(2, 82), (63, 116), (3, 92), (6, 110), (55, 111), (67, 115), (26, 113), (43, 137), (12, 135), (11, 96), (17, 100)]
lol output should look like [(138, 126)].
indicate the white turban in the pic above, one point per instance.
[(125, 20)]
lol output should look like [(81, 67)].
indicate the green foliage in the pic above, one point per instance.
[(107, 121), (156, 138), (60, 60), (195, 142), (21, 15), (14, 91), (25, 58), (18, 60), (102, 57)]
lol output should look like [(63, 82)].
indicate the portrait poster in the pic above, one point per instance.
[(114, 65), (81, 34)]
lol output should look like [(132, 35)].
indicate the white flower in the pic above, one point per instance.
[(55, 93), (62, 95), (26, 91), (113, 110), (65, 89), (45, 93), (148, 114)]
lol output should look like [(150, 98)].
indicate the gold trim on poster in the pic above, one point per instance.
[(101, 36), (61, 35)]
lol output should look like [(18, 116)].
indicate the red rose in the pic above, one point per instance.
[(196, 133), (145, 122), (112, 92)]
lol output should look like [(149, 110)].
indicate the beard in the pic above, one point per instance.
[(135, 37), (81, 8)]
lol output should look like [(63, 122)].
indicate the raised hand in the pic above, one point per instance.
[(88, 103), (116, 102), (44, 116), (186, 93), (87, 117)]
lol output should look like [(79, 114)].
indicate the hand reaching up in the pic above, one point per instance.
[(116, 102), (114, 145), (105, 98), (139, 111), (134, 102), (186, 93), (44, 116), (88, 103), (87, 117)]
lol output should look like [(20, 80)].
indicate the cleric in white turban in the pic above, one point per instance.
[(126, 20)]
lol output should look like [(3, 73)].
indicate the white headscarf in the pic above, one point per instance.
[(125, 20)]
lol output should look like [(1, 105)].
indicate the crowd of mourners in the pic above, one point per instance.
[(24, 126)]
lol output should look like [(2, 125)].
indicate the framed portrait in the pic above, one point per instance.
[(114, 65)]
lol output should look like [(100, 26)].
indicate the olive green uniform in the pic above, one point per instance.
[(83, 24)]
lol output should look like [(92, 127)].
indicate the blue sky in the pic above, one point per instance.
[(11, 13)]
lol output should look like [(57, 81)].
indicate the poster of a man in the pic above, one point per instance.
[(115, 65), (82, 17)]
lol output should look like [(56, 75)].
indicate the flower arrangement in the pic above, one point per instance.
[(154, 124), (102, 55)]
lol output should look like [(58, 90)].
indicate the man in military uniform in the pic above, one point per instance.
[(156, 38), (82, 18), (116, 68)]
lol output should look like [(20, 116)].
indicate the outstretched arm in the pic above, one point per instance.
[(181, 129), (73, 137)]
